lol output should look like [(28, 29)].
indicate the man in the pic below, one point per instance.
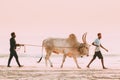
[(13, 52), (97, 51)]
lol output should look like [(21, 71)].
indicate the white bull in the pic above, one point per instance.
[(68, 47)]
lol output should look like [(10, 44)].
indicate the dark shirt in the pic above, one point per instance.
[(12, 43)]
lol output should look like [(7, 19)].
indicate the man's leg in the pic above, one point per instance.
[(92, 59), (10, 58), (102, 61), (16, 57), (100, 56), (90, 62)]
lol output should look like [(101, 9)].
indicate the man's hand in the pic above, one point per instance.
[(106, 50), (19, 44)]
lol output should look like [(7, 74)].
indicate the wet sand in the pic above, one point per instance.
[(42, 73)]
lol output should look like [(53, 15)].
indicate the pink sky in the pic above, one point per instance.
[(35, 20)]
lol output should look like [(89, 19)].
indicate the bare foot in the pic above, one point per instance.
[(79, 67), (105, 68), (21, 66), (9, 66), (88, 67)]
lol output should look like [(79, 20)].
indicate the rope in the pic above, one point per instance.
[(32, 45), (42, 46), (39, 46)]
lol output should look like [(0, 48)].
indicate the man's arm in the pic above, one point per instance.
[(95, 44), (103, 48), (19, 44)]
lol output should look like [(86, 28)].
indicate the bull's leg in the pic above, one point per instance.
[(75, 59), (50, 63), (64, 57), (47, 58)]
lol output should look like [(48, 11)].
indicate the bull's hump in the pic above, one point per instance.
[(61, 42)]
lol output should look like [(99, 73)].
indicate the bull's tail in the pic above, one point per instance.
[(42, 53)]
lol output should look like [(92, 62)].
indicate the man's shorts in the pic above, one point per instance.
[(98, 54)]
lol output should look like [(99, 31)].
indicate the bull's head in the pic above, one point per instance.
[(84, 47)]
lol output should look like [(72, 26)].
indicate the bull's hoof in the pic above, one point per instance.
[(79, 67), (61, 66), (51, 66)]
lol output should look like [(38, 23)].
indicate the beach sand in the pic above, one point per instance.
[(37, 73), (34, 71)]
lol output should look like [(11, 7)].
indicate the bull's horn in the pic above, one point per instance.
[(84, 37)]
